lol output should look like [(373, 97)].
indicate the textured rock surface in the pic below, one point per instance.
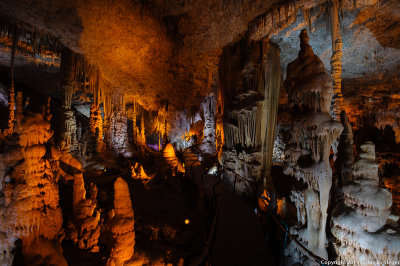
[(357, 223), (173, 161), (121, 225), (84, 229), (312, 132), (249, 76), (29, 208)]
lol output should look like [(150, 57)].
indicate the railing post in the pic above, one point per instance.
[(284, 242)]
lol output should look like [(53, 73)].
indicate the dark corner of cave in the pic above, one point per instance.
[(187, 132)]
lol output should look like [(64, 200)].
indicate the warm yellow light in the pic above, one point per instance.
[(187, 221)]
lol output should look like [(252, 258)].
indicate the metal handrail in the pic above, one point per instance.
[(317, 258)]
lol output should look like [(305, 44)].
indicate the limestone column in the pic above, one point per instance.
[(336, 63), (11, 99)]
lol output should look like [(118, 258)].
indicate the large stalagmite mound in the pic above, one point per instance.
[(358, 222), (312, 132), (29, 207)]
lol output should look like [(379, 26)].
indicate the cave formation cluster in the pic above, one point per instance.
[(193, 133)]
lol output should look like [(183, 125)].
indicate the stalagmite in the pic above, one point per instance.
[(344, 161), (359, 222), (29, 209), (122, 225), (173, 161), (84, 229), (313, 130), (137, 172)]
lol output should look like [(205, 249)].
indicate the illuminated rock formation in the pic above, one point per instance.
[(358, 222), (137, 172), (11, 107), (70, 142), (209, 108), (134, 121), (173, 161), (313, 130), (142, 136), (29, 208), (250, 81), (96, 127), (336, 63), (84, 230), (69, 138), (117, 132), (122, 225)]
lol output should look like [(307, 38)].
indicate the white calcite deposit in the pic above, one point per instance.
[(359, 222), (312, 132)]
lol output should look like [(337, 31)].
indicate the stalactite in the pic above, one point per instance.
[(39, 48), (336, 64), (142, 132), (69, 139), (307, 17), (272, 85), (19, 107), (11, 99), (134, 118)]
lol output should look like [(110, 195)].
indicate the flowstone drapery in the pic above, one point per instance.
[(250, 81)]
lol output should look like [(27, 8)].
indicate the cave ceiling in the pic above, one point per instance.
[(169, 50)]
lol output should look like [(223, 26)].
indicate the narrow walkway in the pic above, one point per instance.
[(238, 239)]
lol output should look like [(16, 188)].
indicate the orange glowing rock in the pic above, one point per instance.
[(84, 229), (173, 161), (122, 225), (30, 210)]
